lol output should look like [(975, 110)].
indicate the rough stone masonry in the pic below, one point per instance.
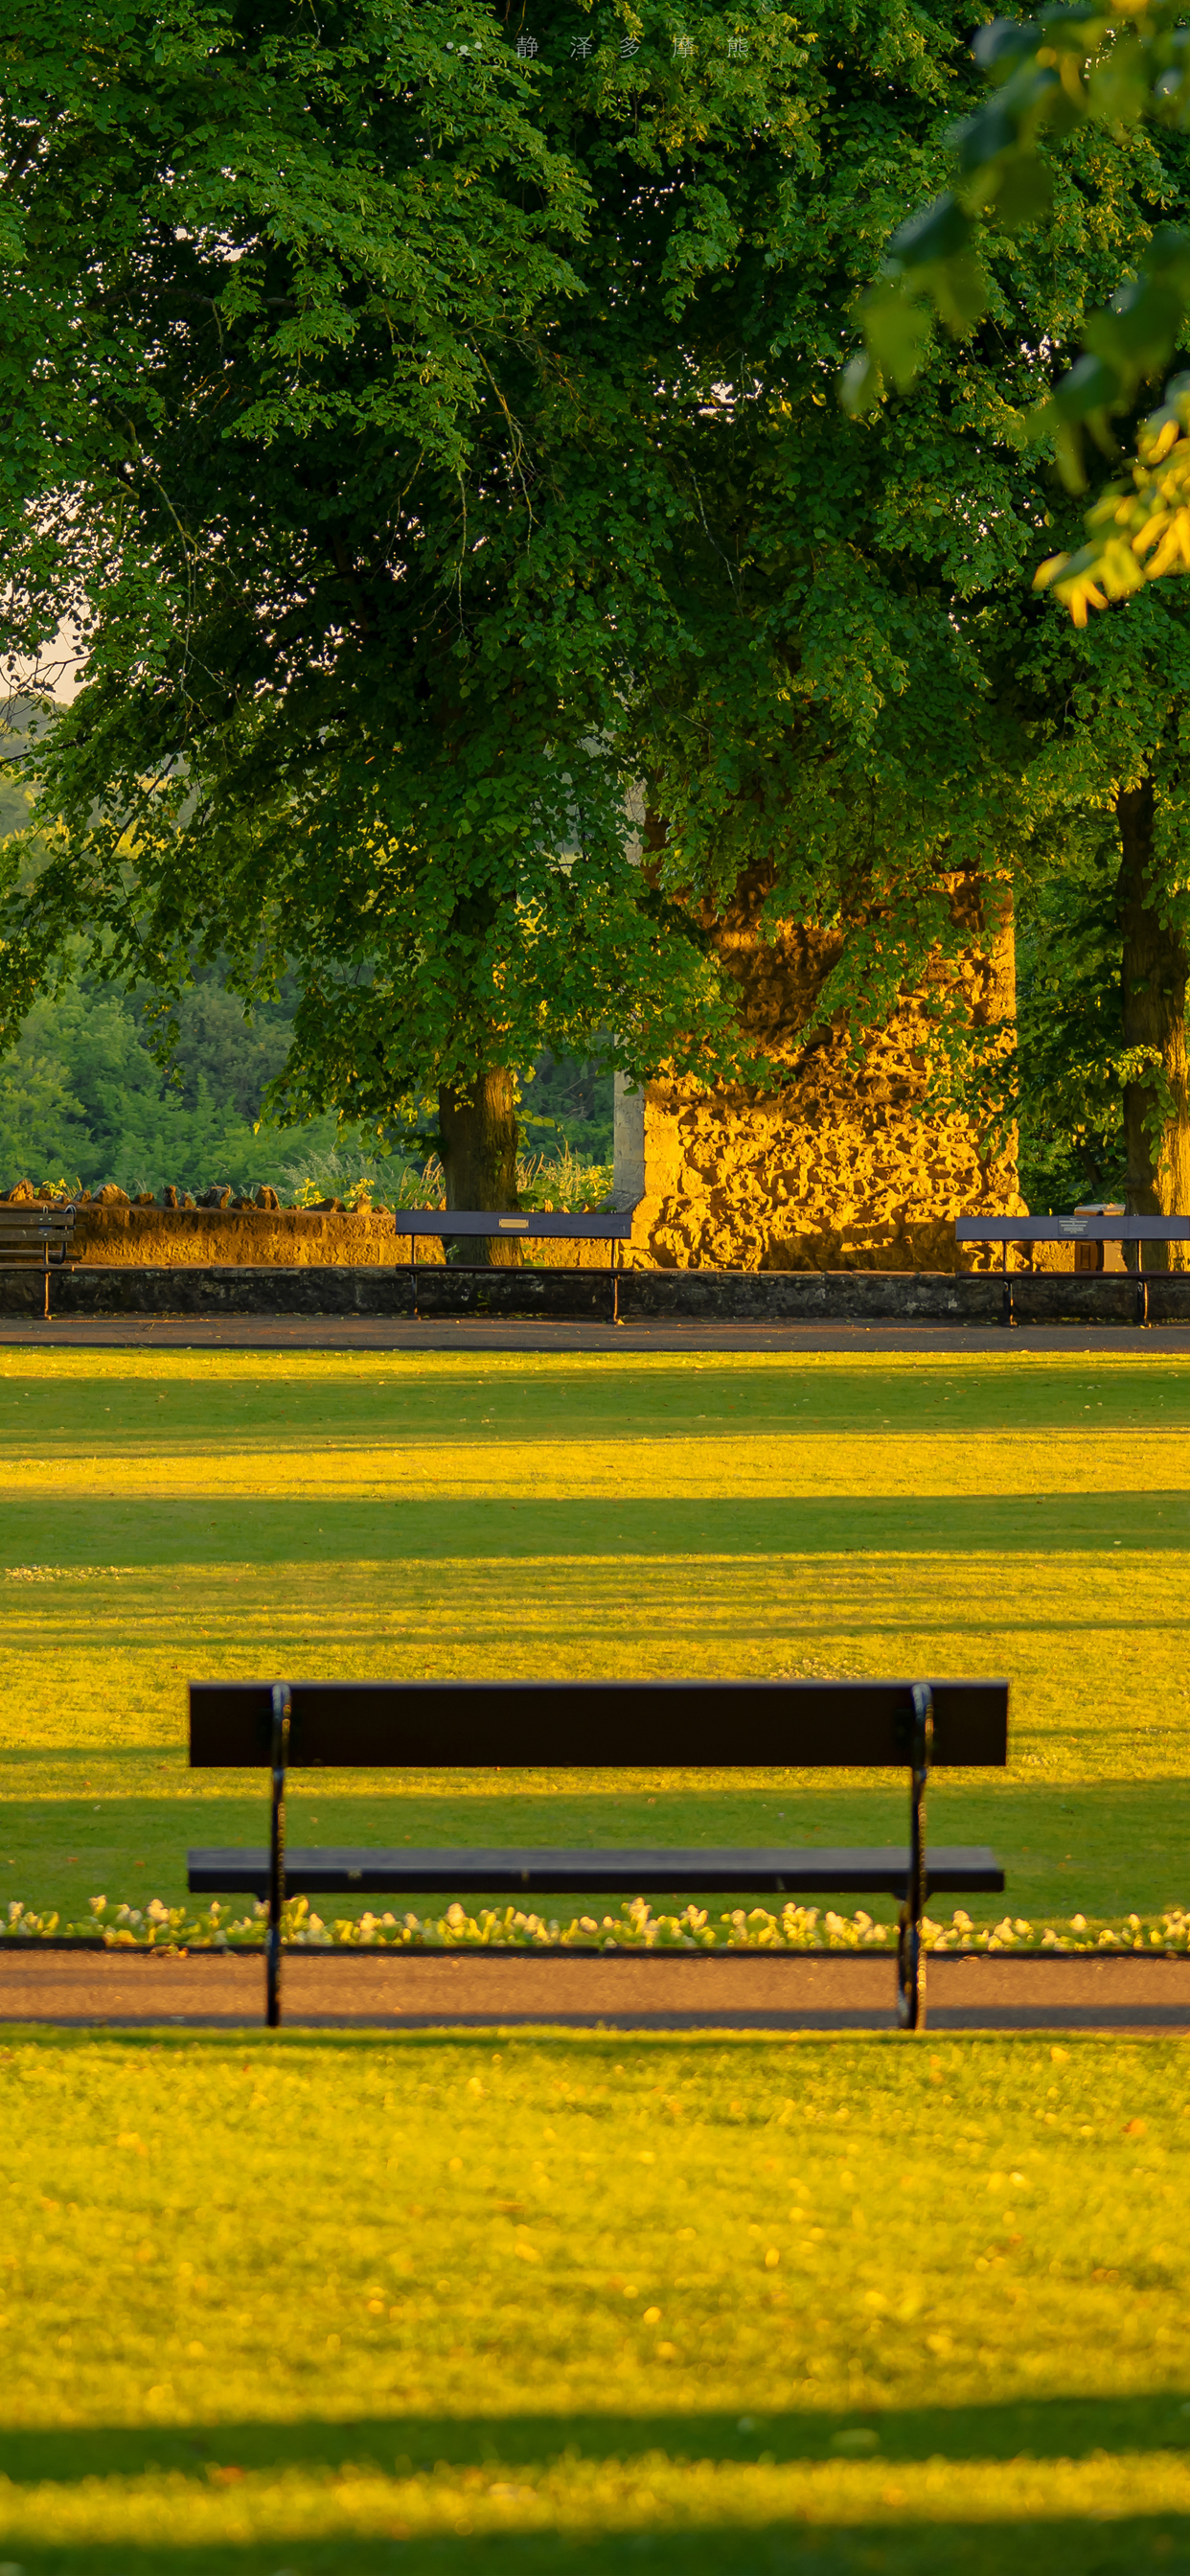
[(835, 1169)]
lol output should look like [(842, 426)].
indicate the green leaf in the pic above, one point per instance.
[(861, 387), (1119, 82), (1168, 257), (1092, 385), (960, 291), (983, 138), (1024, 194), (939, 232), (897, 331), (1006, 42), (1139, 331)]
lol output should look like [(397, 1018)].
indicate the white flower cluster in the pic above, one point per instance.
[(635, 1927)]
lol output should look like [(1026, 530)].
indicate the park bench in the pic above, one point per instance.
[(612, 1228), (35, 1231), (1087, 1225), (601, 1725)]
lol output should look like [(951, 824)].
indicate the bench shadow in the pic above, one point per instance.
[(1068, 2428), (1052, 1837)]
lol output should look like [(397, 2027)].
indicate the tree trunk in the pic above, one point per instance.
[(1154, 977), (478, 1128)]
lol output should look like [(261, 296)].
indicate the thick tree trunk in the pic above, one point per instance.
[(478, 1128), (1154, 970)]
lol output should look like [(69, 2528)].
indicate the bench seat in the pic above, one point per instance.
[(624, 1871)]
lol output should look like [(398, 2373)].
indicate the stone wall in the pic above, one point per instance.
[(833, 1170), (773, 1299), (112, 1232)]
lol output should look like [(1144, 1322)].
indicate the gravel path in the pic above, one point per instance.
[(344, 1990), (351, 1333)]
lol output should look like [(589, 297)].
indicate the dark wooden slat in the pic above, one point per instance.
[(34, 1232), (606, 1228), (621, 1872), (1093, 1227), (590, 1725)]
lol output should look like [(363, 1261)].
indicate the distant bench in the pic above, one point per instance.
[(35, 1231), (612, 1229), (601, 1725), (1090, 1225)]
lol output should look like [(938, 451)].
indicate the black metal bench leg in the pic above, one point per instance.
[(280, 1758), (911, 1964)]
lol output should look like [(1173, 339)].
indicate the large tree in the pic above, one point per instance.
[(369, 536), (369, 694)]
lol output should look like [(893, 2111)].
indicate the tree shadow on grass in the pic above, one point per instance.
[(516, 2447), (1070, 2546), (156, 1533)]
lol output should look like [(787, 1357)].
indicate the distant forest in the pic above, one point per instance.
[(84, 1099)]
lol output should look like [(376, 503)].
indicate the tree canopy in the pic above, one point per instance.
[(1091, 71), (370, 560)]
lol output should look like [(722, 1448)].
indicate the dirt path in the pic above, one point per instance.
[(347, 1989)]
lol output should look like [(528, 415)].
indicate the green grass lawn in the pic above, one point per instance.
[(337, 2306), (334, 2306), (177, 1514)]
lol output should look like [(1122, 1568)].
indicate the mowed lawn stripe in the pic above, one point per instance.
[(231, 1512), (576, 2292), (764, 1465)]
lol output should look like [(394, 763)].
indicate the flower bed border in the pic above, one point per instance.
[(636, 1932)]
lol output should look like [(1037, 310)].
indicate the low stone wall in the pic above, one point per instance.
[(335, 1288), (127, 1236), (645, 1296), (899, 1297)]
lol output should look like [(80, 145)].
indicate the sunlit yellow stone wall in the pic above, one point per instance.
[(835, 1170)]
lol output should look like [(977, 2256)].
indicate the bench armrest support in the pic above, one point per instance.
[(911, 1965), (279, 1763)]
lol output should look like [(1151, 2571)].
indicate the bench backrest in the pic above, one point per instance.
[(593, 1725), (1092, 1226), (31, 1227), (607, 1227)]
